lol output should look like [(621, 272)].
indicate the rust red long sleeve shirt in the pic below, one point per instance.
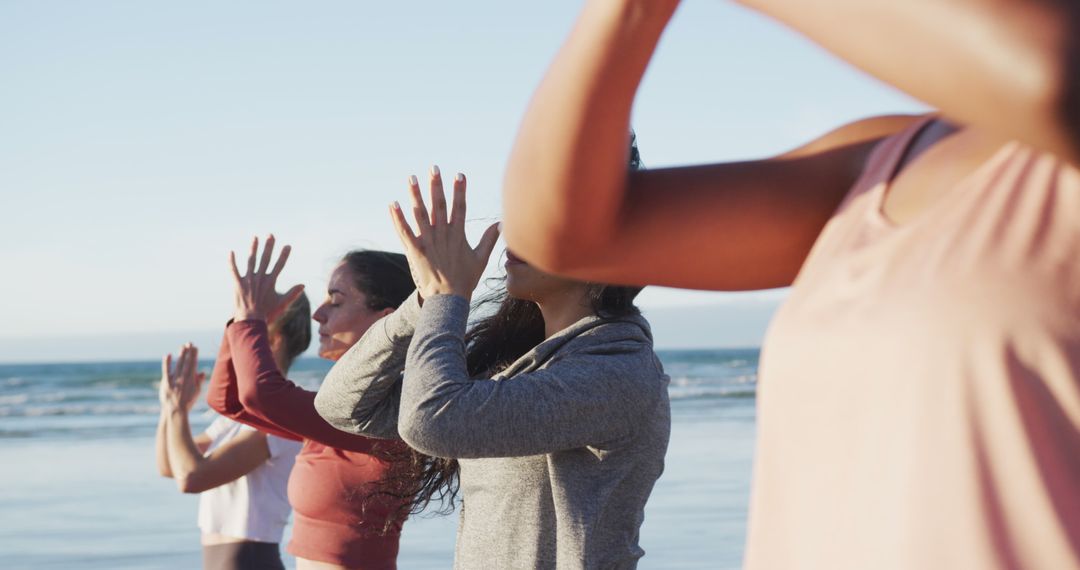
[(339, 514)]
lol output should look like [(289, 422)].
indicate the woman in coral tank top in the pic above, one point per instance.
[(347, 491), (919, 403)]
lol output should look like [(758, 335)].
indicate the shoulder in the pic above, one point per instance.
[(621, 347)]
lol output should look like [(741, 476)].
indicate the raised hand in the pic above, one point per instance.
[(256, 296), (440, 257), (180, 386)]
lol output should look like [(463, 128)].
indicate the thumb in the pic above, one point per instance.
[(487, 242), (292, 295)]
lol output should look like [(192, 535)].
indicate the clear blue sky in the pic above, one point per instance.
[(140, 141)]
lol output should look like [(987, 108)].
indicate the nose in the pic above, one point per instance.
[(319, 315)]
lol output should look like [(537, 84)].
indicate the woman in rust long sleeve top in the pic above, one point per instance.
[(341, 518)]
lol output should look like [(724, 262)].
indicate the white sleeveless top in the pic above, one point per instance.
[(255, 506)]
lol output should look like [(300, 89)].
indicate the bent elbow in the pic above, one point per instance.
[(424, 436), (250, 400), (556, 252), (189, 485), (330, 411)]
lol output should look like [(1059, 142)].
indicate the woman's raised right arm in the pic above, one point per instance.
[(223, 396), (1009, 67), (572, 207)]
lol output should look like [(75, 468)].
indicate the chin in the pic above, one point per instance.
[(328, 353)]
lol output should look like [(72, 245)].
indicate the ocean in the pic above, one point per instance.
[(79, 486)]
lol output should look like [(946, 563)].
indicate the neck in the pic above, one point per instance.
[(281, 363), (566, 309)]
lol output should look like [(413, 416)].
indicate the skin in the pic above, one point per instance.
[(562, 301), (573, 209), (344, 316), (181, 456), (443, 263)]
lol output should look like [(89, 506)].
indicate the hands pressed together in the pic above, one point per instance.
[(256, 294), (440, 257), (180, 385)]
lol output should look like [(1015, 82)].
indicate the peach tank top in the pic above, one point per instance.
[(919, 405)]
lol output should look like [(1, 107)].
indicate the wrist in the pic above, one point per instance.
[(449, 292), (248, 315)]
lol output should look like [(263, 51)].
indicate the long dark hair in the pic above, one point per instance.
[(383, 277), (493, 343), (413, 480)]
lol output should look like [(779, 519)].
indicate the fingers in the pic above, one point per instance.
[(420, 213), (251, 256), (285, 251), (405, 233), (166, 367), (457, 215), (181, 367), (438, 198), (235, 269), (291, 296), (487, 242), (268, 252)]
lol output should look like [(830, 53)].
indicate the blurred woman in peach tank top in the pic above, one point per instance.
[(920, 401), (919, 404)]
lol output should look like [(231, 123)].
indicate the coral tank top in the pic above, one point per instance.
[(919, 404)]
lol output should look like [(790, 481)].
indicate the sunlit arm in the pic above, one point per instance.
[(194, 472), (564, 180), (1010, 66)]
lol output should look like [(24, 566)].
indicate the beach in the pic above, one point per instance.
[(79, 486)]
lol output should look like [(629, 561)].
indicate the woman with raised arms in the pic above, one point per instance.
[(919, 403), (239, 473), (348, 511), (555, 406)]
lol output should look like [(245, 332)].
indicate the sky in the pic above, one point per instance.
[(141, 141)]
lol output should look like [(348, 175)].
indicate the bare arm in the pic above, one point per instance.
[(572, 207), (161, 449), (195, 473), (736, 226), (1009, 66)]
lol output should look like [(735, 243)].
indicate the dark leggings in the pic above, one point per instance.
[(242, 556)]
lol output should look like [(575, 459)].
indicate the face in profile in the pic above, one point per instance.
[(344, 316), (524, 281)]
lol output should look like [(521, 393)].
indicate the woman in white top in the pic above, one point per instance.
[(241, 474)]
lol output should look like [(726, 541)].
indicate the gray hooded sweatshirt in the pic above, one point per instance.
[(558, 452)]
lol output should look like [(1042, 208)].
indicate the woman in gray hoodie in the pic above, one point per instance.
[(555, 407)]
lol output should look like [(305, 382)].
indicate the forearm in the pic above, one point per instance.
[(432, 417), (567, 173), (1009, 66), (184, 454), (222, 395), (362, 391), (272, 399), (590, 396), (161, 449)]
